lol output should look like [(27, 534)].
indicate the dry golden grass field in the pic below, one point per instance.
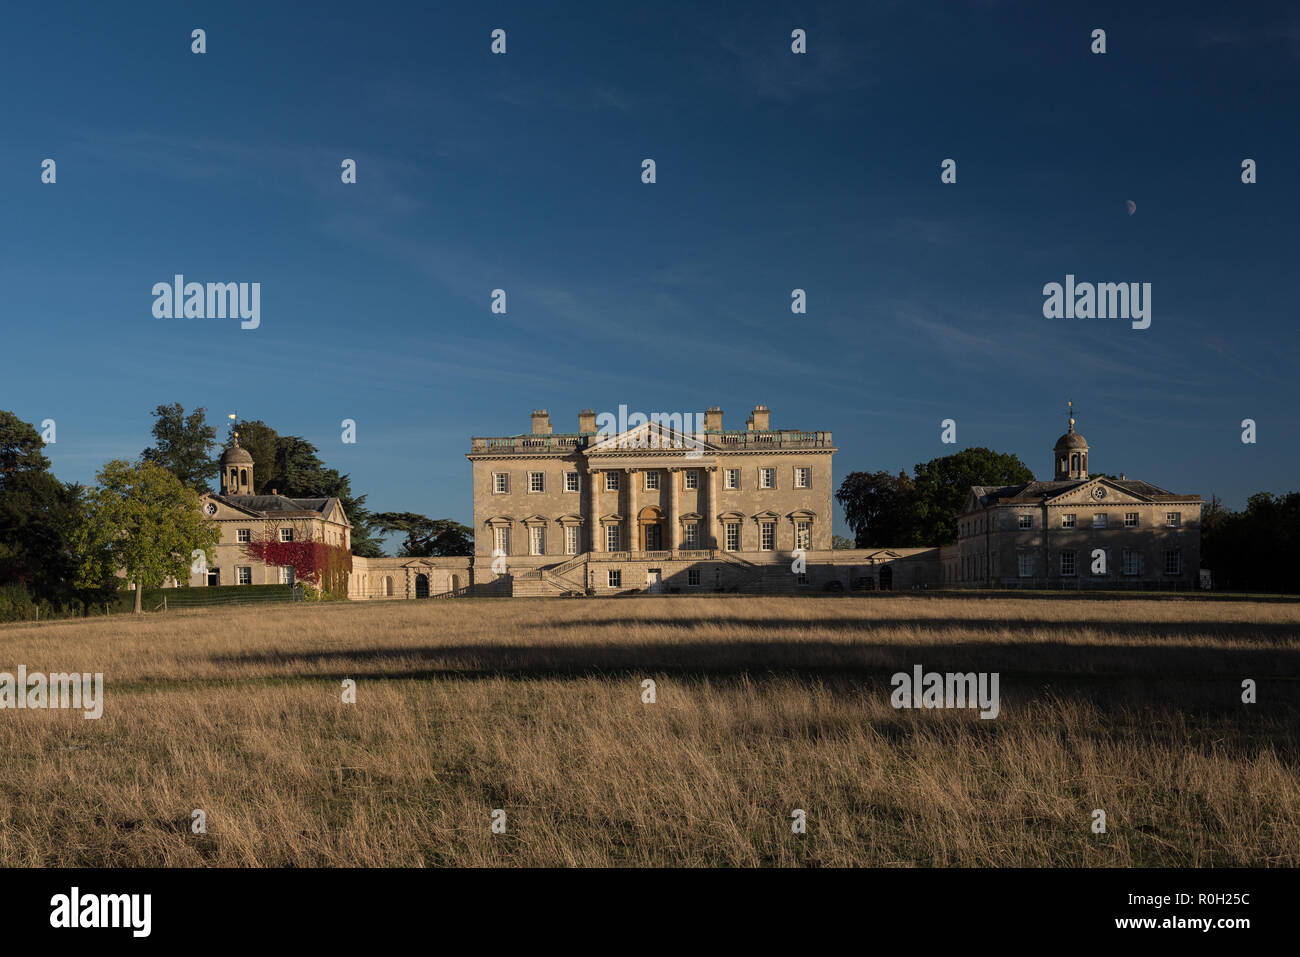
[(764, 705)]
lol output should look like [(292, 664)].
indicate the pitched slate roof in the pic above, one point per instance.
[(268, 505), (1040, 491)]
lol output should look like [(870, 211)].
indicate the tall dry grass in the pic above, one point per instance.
[(764, 705)]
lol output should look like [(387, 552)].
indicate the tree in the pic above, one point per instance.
[(1252, 549), (184, 445), (878, 507), (143, 522), (20, 446), (839, 542), (426, 537), (37, 514), (943, 484)]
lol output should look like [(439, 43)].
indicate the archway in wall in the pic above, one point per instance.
[(421, 586), (886, 578), (650, 530)]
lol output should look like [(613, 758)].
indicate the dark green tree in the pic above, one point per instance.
[(426, 537), (879, 508), (37, 515), (20, 446), (183, 445), (943, 484)]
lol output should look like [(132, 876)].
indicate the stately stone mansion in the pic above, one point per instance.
[(1076, 531), (663, 507)]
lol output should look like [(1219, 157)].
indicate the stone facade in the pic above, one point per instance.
[(1076, 531), (243, 517), (654, 507)]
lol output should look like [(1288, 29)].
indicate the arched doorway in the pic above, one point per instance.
[(421, 586), (886, 578), (650, 529), (455, 583)]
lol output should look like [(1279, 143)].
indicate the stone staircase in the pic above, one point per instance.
[(567, 578)]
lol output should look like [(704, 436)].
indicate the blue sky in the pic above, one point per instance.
[(775, 171)]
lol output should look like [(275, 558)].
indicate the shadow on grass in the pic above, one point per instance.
[(1265, 631)]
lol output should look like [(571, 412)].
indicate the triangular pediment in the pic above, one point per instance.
[(1098, 491), (651, 438)]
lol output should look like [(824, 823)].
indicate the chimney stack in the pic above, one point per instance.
[(541, 422), (713, 419), (759, 420), (586, 421)]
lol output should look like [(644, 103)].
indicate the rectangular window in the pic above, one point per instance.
[(501, 540), (286, 574), (1098, 519), (615, 578), (767, 536), (693, 577), (731, 479), (803, 478), (1173, 562), (286, 534), (1067, 563), (1067, 521), (611, 481), (802, 578), (1025, 563), (1130, 519), (500, 483), (571, 533), (1026, 521), (803, 535), (692, 532), (244, 575), (767, 478), (1173, 519), (612, 541), (536, 482), (651, 481), (1130, 561), (691, 478), (733, 536), (537, 540), (243, 535), (571, 481)]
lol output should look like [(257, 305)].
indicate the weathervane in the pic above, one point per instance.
[(1071, 414)]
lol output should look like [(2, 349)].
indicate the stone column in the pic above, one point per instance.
[(711, 518), (674, 477), (632, 544), (593, 520)]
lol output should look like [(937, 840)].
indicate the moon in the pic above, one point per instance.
[(1132, 206)]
